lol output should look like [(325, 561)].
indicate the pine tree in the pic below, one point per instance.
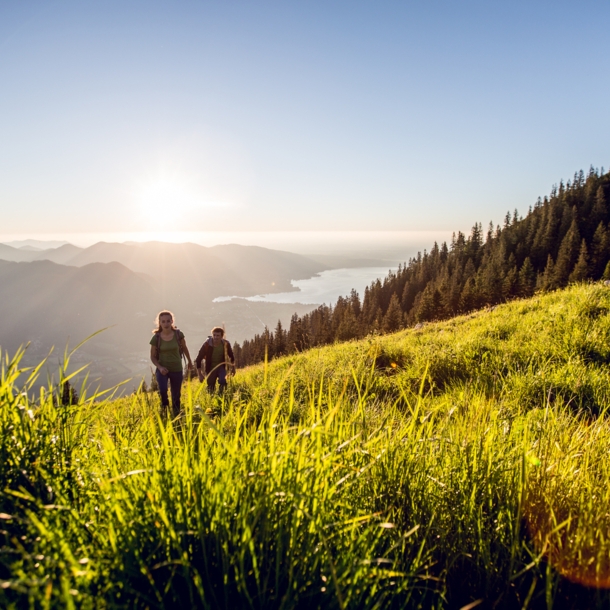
[(600, 251), (279, 339), (468, 298), (568, 255), (599, 213), (409, 293), (581, 270), (392, 321), (376, 327), (451, 297), (354, 302), (527, 278), (238, 353), (510, 283), (547, 279), (348, 327), (296, 336)]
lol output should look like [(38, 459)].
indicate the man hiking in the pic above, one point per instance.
[(218, 355)]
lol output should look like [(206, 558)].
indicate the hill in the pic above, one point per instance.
[(563, 238), (460, 463), (8, 253), (48, 302), (37, 244)]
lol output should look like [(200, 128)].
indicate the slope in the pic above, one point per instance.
[(460, 463), (564, 238)]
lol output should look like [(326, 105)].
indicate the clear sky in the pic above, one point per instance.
[(262, 116)]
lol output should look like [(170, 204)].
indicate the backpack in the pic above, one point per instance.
[(179, 337)]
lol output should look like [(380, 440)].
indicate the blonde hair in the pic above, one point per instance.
[(165, 312)]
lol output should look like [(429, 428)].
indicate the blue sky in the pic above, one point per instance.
[(277, 116)]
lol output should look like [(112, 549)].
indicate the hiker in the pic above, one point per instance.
[(218, 355), (167, 347)]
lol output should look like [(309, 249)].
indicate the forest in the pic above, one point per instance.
[(563, 238)]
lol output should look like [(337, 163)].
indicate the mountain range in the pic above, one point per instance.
[(54, 296), (208, 272)]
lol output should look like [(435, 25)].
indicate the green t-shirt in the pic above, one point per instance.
[(218, 355), (169, 355)]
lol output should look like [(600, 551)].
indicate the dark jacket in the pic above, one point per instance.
[(205, 353)]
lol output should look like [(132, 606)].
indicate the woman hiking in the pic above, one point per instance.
[(166, 349), (217, 354)]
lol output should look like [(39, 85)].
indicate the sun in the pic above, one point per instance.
[(166, 196), (166, 202), (172, 202)]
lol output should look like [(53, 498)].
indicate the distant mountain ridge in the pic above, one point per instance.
[(48, 302), (178, 268), (38, 244)]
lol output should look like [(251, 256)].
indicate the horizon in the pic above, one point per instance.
[(300, 242)]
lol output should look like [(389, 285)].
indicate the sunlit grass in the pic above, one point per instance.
[(430, 468)]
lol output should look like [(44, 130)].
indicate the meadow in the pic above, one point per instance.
[(459, 464)]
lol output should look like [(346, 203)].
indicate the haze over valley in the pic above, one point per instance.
[(63, 294)]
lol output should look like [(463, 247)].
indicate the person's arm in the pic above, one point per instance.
[(185, 351), (230, 353), (154, 358), (231, 363), (198, 360)]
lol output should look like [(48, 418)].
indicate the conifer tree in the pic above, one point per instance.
[(527, 278), (296, 336), (600, 251), (348, 327), (354, 301), (599, 213), (581, 269), (237, 352), (392, 321), (510, 283), (567, 256), (547, 278), (468, 298), (279, 340)]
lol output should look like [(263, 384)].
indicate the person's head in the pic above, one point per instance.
[(164, 321), (218, 333)]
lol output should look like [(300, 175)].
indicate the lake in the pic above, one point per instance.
[(326, 287)]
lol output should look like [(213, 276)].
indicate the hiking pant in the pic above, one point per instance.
[(175, 381), (219, 373)]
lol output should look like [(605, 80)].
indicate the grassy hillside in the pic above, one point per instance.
[(463, 461)]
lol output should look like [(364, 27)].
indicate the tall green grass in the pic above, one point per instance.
[(461, 462)]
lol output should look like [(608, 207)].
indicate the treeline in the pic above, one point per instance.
[(564, 238)]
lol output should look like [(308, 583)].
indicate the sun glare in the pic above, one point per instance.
[(172, 201), (166, 196)]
